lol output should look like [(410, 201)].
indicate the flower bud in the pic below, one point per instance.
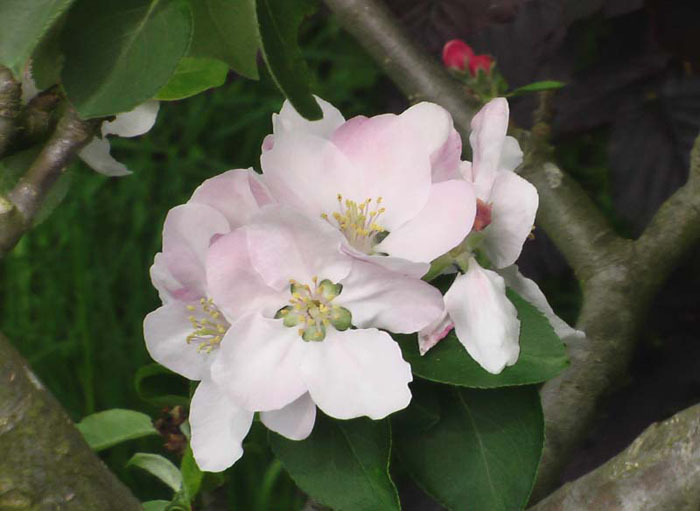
[(456, 54), (477, 62)]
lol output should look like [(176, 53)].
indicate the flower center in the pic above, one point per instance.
[(359, 222), (209, 325), (312, 311)]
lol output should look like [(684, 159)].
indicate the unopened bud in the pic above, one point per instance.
[(456, 54), (484, 62)]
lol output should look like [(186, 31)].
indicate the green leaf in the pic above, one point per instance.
[(279, 24), (192, 76), (542, 355), (537, 86), (22, 25), (155, 384), (119, 54), (111, 427), (159, 466), (47, 59), (483, 452), (191, 475), (343, 464), (227, 30), (155, 505)]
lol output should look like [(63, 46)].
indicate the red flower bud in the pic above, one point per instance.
[(480, 62), (483, 216), (456, 53)]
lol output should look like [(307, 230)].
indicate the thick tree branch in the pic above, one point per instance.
[(619, 277), (660, 471), (20, 207), (45, 463)]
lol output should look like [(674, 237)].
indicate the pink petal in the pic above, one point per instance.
[(237, 194), (489, 127), (440, 226), (434, 333)]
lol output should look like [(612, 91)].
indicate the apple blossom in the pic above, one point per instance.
[(291, 295), (390, 184), (186, 332), (485, 321)]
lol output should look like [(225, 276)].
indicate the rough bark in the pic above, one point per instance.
[(658, 472), (45, 464)]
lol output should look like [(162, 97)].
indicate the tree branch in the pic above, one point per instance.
[(619, 277), (20, 207), (10, 100), (660, 471), (45, 462)]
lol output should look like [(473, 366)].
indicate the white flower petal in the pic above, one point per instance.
[(511, 155), (440, 226), (486, 322), (187, 233), (288, 120), (489, 127), (377, 297), (357, 372), (514, 204), (284, 244), (531, 292), (166, 330), (218, 428), (237, 194), (133, 123), (96, 155), (295, 421), (259, 364)]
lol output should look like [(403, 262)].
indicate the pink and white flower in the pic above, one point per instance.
[(389, 183), (186, 332), (291, 296), (485, 321)]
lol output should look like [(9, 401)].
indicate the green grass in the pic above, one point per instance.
[(74, 292)]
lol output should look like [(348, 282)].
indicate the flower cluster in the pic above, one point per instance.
[(279, 288), (458, 55)]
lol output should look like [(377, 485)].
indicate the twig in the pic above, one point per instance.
[(10, 99), (45, 462), (658, 472), (19, 208)]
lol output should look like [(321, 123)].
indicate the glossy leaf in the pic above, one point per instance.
[(279, 24), (192, 76), (22, 25), (191, 475), (227, 30), (119, 54), (343, 464), (111, 427), (483, 451), (158, 466), (542, 355)]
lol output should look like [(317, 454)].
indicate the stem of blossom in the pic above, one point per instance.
[(659, 471), (619, 277), (10, 101), (45, 462), (20, 207)]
